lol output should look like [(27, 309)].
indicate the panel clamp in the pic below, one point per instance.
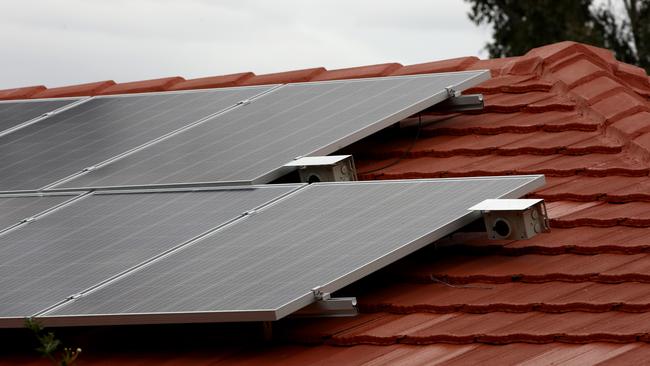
[(451, 92), (326, 306)]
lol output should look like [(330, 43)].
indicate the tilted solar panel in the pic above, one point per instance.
[(251, 144), (14, 113), (100, 235), (101, 128), (264, 265), (17, 208)]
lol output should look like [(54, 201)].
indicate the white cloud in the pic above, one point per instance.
[(66, 42)]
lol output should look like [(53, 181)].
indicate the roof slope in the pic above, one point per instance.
[(580, 294)]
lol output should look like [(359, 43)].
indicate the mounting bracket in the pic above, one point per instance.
[(327, 306), (461, 103)]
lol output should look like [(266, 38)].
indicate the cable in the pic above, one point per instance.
[(404, 154)]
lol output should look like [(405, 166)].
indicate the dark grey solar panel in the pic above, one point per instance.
[(99, 129), (16, 112), (98, 236), (252, 143), (14, 209), (264, 266)]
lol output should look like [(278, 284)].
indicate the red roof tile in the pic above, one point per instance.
[(295, 76), (454, 64), (74, 90), (358, 72), (212, 82), (143, 86), (567, 110), (20, 93)]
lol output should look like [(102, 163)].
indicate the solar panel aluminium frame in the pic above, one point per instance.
[(473, 78), (74, 101), (534, 182)]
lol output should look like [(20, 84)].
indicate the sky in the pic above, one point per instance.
[(64, 42)]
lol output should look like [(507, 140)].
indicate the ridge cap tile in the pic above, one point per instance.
[(141, 86), (78, 90)]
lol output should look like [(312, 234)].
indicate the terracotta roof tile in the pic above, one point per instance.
[(358, 72), (511, 84), (143, 86), (74, 90), (598, 88), (633, 75), (295, 76), (20, 93), (212, 82), (619, 105), (636, 214), (631, 126), (579, 72), (454, 64), (526, 65)]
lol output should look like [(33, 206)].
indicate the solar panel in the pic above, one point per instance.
[(99, 129), (264, 266), (101, 235), (251, 144), (14, 113), (17, 208)]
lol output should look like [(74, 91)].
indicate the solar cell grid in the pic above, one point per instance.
[(93, 238), (102, 128), (14, 113), (252, 143)]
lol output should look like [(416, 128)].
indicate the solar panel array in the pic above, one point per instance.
[(168, 246), (325, 234)]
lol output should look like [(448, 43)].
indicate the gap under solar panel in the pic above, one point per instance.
[(14, 113), (252, 143), (14, 209), (64, 144), (264, 266), (98, 236)]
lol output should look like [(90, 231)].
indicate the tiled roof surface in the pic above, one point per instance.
[(580, 294)]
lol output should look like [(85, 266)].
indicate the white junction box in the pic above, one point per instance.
[(513, 219), (335, 168)]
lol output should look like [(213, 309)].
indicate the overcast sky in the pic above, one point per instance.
[(62, 42)]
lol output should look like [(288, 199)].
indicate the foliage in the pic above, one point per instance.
[(519, 25), (49, 345)]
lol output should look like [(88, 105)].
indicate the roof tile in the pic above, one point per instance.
[(212, 82), (525, 65), (142, 86), (596, 89), (631, 126), (454, 64), (578, 72), (358, 72), (619, 105), (633, 75), (74, 90), (635, 214), (20, 93), (295, 76)]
